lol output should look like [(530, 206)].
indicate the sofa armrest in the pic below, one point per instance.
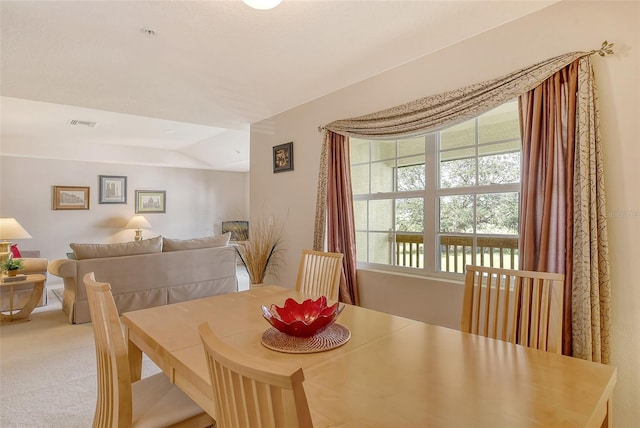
[(34, 266), (64, 268)]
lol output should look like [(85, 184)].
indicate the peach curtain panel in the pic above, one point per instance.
[(563, 208), (341, 235), (583, 206), (547, 122), (334, 185)]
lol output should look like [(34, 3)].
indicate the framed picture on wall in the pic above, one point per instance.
[(239, 229), (113, 189), (151, 201), (71, 197), (283, 157)]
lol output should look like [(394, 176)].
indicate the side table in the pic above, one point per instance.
[(23, 314)]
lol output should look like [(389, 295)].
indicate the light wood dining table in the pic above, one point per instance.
[(393, 372)]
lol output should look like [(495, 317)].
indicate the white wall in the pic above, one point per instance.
[(560, 28), (197, 201)]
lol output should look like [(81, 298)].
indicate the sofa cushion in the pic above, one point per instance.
[(96, 251), (193, 244)]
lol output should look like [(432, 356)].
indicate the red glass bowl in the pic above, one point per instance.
[(302, 319)]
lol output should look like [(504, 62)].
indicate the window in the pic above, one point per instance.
[(436, 202)]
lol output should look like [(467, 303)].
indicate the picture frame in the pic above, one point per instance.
[(283, 157), (151, 201), (71, 197), (239, 229), (113, 189)]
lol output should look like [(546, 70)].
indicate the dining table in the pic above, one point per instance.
[(391, 372)]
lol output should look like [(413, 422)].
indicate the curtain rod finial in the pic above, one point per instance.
[(605, 49)]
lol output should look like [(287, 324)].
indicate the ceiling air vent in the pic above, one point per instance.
[(86, 123)]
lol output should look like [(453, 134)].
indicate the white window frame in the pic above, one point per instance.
[(430, 195)]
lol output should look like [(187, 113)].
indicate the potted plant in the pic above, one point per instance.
[(11, 265), (260, 253)]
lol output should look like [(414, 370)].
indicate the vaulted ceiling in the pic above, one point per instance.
[(178, 83)]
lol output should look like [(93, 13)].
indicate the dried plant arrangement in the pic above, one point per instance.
[(261, 253)]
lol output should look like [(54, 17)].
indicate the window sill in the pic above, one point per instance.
[(457, 279)]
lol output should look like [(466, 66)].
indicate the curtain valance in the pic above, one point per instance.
[(447, 108)]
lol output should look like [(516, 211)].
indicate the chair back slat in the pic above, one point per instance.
[(521, 307), (250, 392), (319, 274), (505, 308), (114, 403)]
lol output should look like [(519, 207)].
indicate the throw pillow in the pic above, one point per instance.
[(193, 244), (15, 252), (96, 251)]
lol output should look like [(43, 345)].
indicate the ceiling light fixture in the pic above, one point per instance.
[(262, 4)]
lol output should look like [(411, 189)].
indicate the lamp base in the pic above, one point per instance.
[(4, 250), (138, 236), (4, 246)]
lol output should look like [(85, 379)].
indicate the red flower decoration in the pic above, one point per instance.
[(302, 319)]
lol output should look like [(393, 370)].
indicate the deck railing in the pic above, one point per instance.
[(410, 251), (458, 251)]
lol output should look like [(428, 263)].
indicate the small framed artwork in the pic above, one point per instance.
[(71, 197), (239, 229), (113, 189), (283, 157), (151, 201)]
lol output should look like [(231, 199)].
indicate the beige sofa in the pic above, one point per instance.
[(147, 273)]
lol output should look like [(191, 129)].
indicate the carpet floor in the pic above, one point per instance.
[(48, 371)]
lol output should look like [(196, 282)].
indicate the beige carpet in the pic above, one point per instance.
[(48, 371)]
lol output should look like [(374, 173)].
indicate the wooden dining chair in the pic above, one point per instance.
[(150, 402), (253, 392), (319, 274), (522, 307)]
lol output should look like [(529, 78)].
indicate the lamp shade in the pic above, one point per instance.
[(138, 222), (10, 229)]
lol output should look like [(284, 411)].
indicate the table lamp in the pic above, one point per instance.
[(138, 222), (10, 229)]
